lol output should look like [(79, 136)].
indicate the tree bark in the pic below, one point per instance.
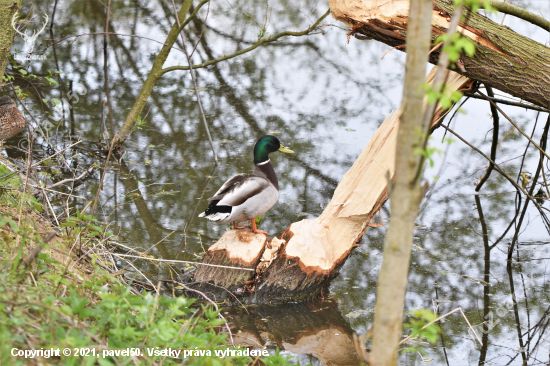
[(406, 195), (7, 9), (503, 59), (312, 250)]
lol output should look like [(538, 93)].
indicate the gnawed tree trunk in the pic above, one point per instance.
[(309, 253), (503, 59)]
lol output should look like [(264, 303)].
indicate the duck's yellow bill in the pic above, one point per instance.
[(285, 150)]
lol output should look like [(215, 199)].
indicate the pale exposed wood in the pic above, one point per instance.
[(321, 243), (241, 246), (503, 59), (315, 248), (395, 13)]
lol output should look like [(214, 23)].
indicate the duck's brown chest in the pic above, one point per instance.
[(12, 121)]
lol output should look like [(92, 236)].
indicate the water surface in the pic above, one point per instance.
[(324, 98)]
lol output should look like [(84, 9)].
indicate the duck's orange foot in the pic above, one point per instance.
[(256, 230), (235, 227)]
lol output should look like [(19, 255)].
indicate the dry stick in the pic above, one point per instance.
[(202, 31), (229, 292), (195, 84), (435, 47), (57, 153), (438, 86), (103, 176), (146, 250), (29, 152), (178, 261), (34, 252), (50, 206), (494, 142), (443, 316), (103, 127), (504, 16), (527, 148), (545, 182), (516, 126), (138, 271), (391, 49), (105, 67)]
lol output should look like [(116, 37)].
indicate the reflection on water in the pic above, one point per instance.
[(315, 330), (323, 98)]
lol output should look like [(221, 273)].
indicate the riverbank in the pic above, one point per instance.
[(63, 300)]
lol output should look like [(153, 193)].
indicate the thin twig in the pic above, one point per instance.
[(531, 189), (509, 102), (107, 33), (443, 62), (501, 171), (255, 45), (81, 176), (443, 316), (178, 261), (515, 125), (57, 153)]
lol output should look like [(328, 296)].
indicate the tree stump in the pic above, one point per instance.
[(300, 264)]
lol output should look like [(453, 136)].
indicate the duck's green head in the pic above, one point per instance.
[(266, 145)]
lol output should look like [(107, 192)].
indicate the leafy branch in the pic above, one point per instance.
[(260, 42)]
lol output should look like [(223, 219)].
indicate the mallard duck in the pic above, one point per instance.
[(246, 196), (12, 120)]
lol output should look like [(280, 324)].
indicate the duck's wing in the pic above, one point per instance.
[(238, 189)]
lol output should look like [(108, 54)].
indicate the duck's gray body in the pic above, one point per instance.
[(244, 196)]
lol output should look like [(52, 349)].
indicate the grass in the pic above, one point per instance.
[(60, 293)]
